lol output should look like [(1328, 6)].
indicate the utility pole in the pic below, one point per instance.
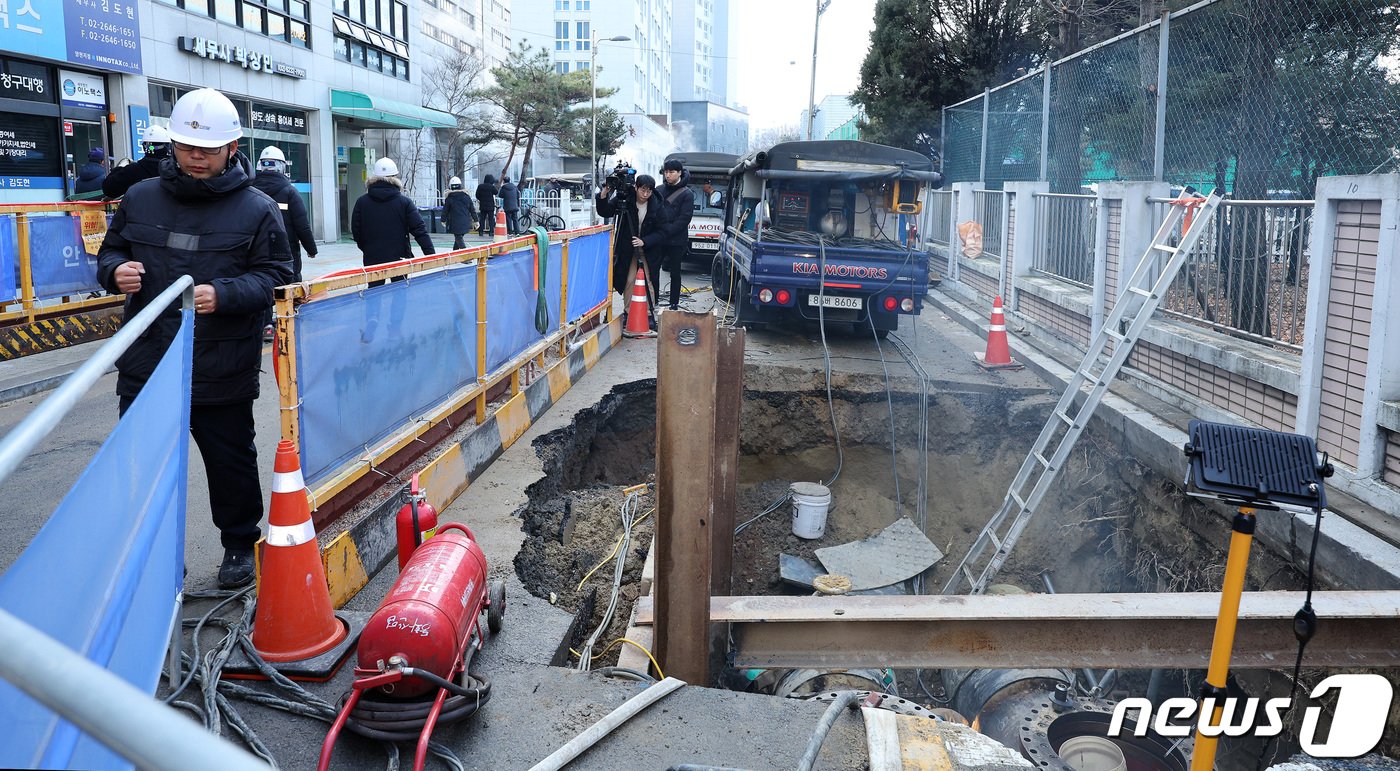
[(812, 92)]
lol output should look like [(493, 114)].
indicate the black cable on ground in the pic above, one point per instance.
[(814, 745)]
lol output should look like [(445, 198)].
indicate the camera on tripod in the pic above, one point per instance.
[(623, 179)]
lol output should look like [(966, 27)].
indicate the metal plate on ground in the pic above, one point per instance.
[(896, 553), (800, 572)]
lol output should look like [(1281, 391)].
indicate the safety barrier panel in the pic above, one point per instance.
[(364, 373), (48, 253), (104, 574)]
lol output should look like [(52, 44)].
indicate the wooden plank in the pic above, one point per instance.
[(686, 362), (1062, 630)]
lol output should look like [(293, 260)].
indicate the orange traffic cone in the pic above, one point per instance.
[(638, 315), (998, 354), (500, 225), (294, 620)]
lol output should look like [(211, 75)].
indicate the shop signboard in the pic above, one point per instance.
[(29, 152), (138, 118), (102, 34), (82, 90), (270, 118), (247, 58)]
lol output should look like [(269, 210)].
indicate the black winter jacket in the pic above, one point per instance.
[(486, 195), (120, 179), (458, 211), (680, 207), (383, 220), (90, 176), (653, 234), (294, 218), (221, 232), (510, 197)]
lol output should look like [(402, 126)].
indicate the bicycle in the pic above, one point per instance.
[(531, 215)]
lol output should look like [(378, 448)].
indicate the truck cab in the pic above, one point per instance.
[(706, 170), (817, 230)]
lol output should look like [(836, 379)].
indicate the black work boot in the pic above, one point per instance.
[(237, 569)]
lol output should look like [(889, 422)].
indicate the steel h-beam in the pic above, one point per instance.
[(1131, 631)]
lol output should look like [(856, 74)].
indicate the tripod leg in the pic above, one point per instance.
[(1241, 539)]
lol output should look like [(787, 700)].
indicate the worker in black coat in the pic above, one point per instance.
[(679, 201), (384, 219), (486, 203), (641, 225), (273, 179), (91, 174), (155, 143), (510, 204), (458, 211), (203, 218)]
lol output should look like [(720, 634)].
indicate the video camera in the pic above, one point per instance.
[(623, 179)]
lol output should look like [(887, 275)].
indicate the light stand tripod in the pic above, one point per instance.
[(1254, 469)]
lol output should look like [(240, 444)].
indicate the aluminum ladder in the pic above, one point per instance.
[(1124, 325)]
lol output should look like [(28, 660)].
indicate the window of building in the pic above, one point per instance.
[(584, 42), (582, 5), (583, 66), (561, 36), (561, 5), (561, 67)]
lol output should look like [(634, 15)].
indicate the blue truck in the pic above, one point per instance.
[(820, 230)]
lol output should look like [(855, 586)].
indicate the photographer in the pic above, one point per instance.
[(640, 229)]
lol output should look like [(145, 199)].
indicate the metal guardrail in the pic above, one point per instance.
[(1248, 275), (989, 209), (940, 216), (1065, 230)]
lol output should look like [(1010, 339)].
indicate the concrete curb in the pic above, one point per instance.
[(357, 554)]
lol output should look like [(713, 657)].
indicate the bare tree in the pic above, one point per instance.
[(453, 84)]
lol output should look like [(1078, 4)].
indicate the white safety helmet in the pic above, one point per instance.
[(155, 134), (455, 183), (385, 167), (205, 118), (272, 153)]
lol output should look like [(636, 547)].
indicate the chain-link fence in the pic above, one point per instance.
[(1256, 97)]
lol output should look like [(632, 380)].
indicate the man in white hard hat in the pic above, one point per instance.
[(155, 143), (202, 217), (384, 218), (458, 212), (274, 178)]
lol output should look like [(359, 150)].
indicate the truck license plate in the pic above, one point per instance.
[(834, 301), (710, 246)]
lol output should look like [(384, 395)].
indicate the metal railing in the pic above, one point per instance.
[(989, 209), (1247, 277), (940, 207), (1065, 230)]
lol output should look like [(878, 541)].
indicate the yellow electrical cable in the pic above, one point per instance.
[(637, 645), (616, 546)]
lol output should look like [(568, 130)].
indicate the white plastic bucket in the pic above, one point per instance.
[(810, 502), (1092, 753)]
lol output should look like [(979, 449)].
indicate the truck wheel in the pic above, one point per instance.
[(744, 310), (719, 277), (496, 613)]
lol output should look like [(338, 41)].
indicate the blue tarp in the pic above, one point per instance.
[(368, 363), (59, 263), (9, 259), (104, 573)]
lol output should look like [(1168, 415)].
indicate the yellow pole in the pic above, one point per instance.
[(481, 338), (284, 364), (1241, 538), (26, 266), (564, 297)]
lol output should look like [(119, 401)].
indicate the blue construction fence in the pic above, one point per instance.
[(58, 262), (369, 363), (104, 574)]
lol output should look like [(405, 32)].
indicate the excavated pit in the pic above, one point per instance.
[(1110, 524)]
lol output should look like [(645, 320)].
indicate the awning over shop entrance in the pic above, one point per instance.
[(378, 112)]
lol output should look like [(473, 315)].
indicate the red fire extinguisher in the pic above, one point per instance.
[(417, 522)]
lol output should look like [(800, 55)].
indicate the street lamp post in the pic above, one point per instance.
[(812, 94), (593, 93)]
